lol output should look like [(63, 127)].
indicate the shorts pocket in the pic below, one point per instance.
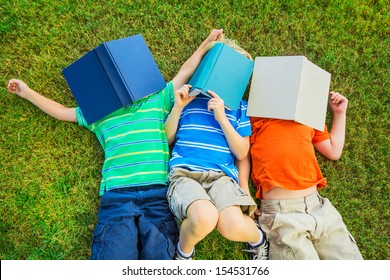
[(174, 203)]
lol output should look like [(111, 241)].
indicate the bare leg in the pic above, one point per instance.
[(202, 217), (236, 226)]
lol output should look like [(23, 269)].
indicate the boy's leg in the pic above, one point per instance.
[(235, 207), (191, 204), (334, 241), (202, 217), (116, 235), (289, 228), (231, 201), (236, 226), (288, 235), (157, 226)]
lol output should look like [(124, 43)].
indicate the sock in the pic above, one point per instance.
[(186, 255), (258, 243)]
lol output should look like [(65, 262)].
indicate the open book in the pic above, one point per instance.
[(290, 88), (112, 75), (224, 71)]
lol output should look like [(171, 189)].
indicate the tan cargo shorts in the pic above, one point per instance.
[(187, 186), (307, 228)]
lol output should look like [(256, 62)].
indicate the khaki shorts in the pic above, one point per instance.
[(187, 186), (307, 228)]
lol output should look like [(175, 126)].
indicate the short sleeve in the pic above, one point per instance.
[(320, 136), (81, 120), (168, 97), (244, 123)]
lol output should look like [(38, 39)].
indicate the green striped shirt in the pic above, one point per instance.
[(134, 142)]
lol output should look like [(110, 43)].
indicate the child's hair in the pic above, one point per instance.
[(231, 43)]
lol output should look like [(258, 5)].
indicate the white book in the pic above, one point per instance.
[(289, 88)]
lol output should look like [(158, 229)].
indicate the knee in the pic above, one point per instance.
[(232, 227), (203, 217), (228, 226)]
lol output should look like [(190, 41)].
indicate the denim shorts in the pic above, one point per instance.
[(135, 223)]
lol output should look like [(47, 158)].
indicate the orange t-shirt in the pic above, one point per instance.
[(283, 155)]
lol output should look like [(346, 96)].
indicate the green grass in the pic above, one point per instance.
[(50, 170)]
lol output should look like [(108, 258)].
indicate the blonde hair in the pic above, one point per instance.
[(231, 43)]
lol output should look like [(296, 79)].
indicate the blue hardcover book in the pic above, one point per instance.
[(224, 71), (112, 75)]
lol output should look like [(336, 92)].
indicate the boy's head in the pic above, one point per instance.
[(231, 43)]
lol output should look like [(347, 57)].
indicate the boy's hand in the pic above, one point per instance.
[(182, 98), (18, 87), (338, 103), (215, 35), (217, 105)]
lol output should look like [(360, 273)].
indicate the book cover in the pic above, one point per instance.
[(112, 75), (290, 88), (224, 71)]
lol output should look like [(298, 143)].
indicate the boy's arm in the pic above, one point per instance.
[(238, 145), (180, 87), (333, 147), (50, 107), (189, 67), (244, 167), (244, 170), (172, 122)]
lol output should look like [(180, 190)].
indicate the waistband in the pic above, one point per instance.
[(302, 204), (138, 188)]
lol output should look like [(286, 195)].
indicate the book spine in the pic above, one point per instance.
[(298, 87), (203, 72), (214, 60), (114, 75)]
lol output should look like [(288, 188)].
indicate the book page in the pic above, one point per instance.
[(313, 96)]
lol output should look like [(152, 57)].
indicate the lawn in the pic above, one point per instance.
[(50, 170)]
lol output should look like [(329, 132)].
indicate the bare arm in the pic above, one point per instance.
[(180, 87), (189, 67), (172, 122), (50, 107), (238, 145), (333, 147), (244, 168)]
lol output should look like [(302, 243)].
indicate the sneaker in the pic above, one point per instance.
[(259, 252), (178, 256)]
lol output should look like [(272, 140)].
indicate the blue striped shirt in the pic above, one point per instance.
[(200, 142)]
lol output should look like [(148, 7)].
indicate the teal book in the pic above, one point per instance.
[(113, 75), (224, 71)]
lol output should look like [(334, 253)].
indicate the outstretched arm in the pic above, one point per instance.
[(50, 107), (333, 147), (182, 89), (189, 67)]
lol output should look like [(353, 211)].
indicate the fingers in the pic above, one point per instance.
[(213, 94), (184, 90), (215, 34), (215, 101), (336, 97), (12, 86)]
